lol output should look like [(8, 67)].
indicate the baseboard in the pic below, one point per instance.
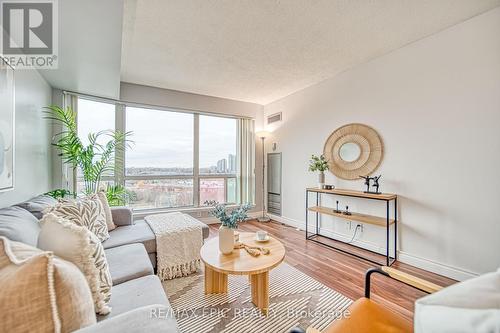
[(425, 264), (455, 273)]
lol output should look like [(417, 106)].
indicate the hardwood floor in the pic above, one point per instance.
[(342, 272)]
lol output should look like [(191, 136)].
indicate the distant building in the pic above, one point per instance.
[(222, 166), (231, 163)]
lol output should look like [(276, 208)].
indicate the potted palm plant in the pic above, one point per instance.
[(319, 164), (95, 159), (229, 222)]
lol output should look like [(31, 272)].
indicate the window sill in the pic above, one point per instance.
[(141, 213)]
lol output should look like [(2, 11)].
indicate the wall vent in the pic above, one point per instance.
[(274, 118)]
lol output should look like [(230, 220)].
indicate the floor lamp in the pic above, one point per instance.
[(262, 135)]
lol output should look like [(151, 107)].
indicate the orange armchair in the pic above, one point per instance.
[(370, 317)]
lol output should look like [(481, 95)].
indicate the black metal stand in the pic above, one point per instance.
[(313, 237)]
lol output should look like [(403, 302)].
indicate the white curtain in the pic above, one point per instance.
[(68, 173), (246, 161)]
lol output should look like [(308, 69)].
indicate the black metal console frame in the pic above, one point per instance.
[(389, 260)]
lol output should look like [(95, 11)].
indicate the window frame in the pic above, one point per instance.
[(120, 176)]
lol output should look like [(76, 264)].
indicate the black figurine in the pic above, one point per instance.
[(376, 184), (367, 183), (347, 212), (337, 210)]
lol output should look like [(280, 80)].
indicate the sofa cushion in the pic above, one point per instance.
[(40, 292), (469, 306), (38, 204), (80, 246), (151, 318), (136, 293), (128, 262), (121, 215), (86, 212), (140, 232), (107, 210), (19, 225)]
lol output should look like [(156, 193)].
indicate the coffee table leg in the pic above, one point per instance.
[(260, 291), (215, 282)]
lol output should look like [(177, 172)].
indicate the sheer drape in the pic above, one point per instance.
[(67, 172), (246, 161)]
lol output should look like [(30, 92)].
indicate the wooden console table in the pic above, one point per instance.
[(355, 216)]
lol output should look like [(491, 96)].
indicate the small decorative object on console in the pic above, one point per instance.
[(376, 184), (337, 210), (347, 212), (319, 164), (328, 187)]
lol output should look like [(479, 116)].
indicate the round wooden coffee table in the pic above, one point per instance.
[(239, 262)]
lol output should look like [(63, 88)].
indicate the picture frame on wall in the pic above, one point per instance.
[(7, 129)]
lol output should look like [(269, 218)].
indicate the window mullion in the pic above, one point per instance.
[(196, 160)]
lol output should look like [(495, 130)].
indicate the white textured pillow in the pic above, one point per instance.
[(469, 306), (107, 211), (87, 212), (81, 247)]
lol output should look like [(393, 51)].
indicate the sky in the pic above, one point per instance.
[(161, 138)]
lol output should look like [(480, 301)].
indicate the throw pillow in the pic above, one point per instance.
[(469, 306), (40, 292), (87, 212), (81, 247), (107, 211), (38, 204)]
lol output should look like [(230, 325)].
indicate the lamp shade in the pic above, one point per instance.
[(262, 134)]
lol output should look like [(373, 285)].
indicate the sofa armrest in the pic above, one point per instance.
[(151, 318), (122, 216)]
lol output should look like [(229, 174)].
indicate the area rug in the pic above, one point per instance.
[(296, 300)]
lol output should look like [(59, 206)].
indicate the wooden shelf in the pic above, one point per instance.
[(358, 194), (364, 218)]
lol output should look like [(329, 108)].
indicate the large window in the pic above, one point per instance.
[(159, 166), (217, 159), (176, 159), (94, 117)]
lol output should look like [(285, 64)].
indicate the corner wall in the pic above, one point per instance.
[(436, 104), (33, 134)]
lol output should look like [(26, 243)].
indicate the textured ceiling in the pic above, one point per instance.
[(260, 51)]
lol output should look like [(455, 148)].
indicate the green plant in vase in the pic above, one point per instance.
[(229, 220), (93, 160), (319, 163)]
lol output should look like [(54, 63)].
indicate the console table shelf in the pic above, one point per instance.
[(357, 194), (386, 221), (364, 218)]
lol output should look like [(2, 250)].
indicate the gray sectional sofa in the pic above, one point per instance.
[(137, 293)]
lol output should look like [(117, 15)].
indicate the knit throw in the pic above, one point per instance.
[(179, 239)]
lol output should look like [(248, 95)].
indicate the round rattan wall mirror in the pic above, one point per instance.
[(353, 150)]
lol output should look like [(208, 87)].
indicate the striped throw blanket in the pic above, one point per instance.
[(179, 239)]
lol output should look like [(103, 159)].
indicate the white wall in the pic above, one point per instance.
[(33, 161), (436, 104)]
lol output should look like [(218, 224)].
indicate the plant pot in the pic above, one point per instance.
[(226, 240), (321, 179)]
